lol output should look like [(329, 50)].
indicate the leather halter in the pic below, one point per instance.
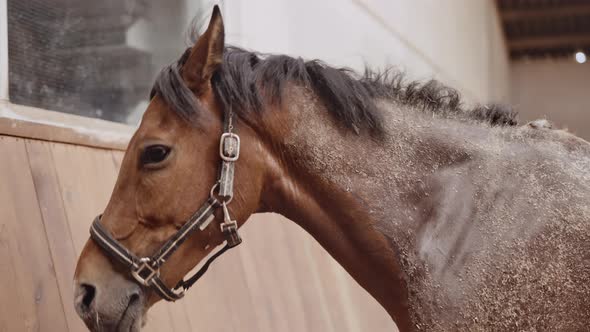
[(146, 270)]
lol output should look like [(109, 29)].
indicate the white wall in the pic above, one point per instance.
[(457, 41), (558, 90)]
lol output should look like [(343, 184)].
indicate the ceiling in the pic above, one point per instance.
[(545, 28)]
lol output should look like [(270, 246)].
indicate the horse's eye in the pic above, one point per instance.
[(154, 154)]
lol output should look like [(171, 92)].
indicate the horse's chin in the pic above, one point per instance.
[(133, 319), (131, 324)]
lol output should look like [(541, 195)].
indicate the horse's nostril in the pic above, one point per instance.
[(89, 293)]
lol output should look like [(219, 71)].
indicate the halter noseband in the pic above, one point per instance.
[(146, 270)]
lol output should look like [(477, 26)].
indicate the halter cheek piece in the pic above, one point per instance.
[(146, 270)]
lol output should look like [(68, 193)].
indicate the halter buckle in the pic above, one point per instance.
[(229, 147), (229, 227), (145, 272)]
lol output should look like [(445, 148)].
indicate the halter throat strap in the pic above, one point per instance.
[(146, 270)]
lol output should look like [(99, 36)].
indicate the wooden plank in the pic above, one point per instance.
[(118, 158), (554, 12), (268, 315), (86, 177), (179, 316), (39, 306), (229, 272), (56, 225), (317, 309), (281, 256), (269, 273), (323, 263), (31, 122), (208, 305), (158, 319), (549, 42), (13, 308)]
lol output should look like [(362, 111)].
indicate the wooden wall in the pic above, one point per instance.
[(279, 279)]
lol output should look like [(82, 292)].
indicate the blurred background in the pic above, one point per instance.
[(99, 58)]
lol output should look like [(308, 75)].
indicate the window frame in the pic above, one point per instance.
[(42, 124)]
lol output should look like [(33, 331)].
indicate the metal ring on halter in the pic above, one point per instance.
[(212, 195)]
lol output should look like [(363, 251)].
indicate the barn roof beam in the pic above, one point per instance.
[(549, 42), (541, 13)]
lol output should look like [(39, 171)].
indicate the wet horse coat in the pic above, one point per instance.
[(490, 225)]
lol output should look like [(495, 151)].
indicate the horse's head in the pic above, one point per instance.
[(168, 174)]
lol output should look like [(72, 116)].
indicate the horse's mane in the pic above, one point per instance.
[(248, 81)]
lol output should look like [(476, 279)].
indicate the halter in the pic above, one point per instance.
[(146, 270)]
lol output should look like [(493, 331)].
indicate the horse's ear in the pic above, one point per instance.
[(206, 55)]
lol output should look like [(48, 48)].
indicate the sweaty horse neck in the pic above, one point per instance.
[(355, 195)]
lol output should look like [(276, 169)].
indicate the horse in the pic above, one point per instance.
[(453, 218)]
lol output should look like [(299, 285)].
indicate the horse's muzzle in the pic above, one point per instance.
[(110, 307)]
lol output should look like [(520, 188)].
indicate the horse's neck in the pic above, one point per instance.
[(355, 195), (374, 182)]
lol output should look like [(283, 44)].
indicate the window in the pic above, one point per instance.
[(93, 58)]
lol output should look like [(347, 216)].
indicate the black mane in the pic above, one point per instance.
[(247, 81)]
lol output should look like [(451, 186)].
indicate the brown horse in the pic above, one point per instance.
[(452, 219)]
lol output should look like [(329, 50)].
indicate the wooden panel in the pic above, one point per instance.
[(234, 290), (554, 12), (31, 122), (548, 42), (159, 319), (86, 178), (337, 301), (275, 260), (178, 317), (56, 224), (264, 277), (279, 279), (316, 306), (267, 312), (208, 306), (13, 310), (32, 301)]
